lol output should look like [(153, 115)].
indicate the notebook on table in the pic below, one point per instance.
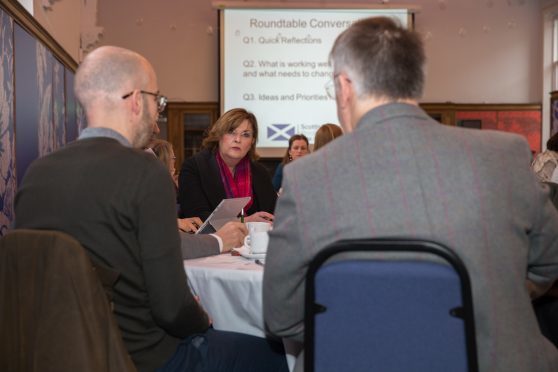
[(226, 211)]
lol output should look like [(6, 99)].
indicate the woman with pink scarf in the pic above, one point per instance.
[(227, 168)]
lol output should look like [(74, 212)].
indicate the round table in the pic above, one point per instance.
[(230, 290)]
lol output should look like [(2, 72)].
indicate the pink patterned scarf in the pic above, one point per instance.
[(241, 184)]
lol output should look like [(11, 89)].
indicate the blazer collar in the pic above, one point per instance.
[(390, 111)]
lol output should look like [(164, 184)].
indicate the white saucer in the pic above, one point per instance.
[(245, 252)]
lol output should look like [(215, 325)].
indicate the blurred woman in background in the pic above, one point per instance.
[(325, 134), (547, 161), (165, 153), (298, 147)]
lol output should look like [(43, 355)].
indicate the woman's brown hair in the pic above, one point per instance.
[(163, 149), (227, 123), (326, 133)]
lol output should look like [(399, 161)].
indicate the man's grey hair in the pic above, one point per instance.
[(381, 58)]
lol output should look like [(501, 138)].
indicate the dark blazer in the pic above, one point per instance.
[(119, 204), (200, 188)]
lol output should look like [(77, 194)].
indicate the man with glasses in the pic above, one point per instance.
[(118, 202), (398, 173)]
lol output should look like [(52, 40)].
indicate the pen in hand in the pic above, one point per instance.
[(242, 215)]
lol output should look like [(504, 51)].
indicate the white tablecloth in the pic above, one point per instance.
[(230, 290)]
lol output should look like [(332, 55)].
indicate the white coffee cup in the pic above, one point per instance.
[(258, 227), (257, 242), (257, 239)]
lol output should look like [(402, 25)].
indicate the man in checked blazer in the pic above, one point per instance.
[(398, 173)]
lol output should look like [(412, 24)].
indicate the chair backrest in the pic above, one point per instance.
[(388, 305), (54, 314)]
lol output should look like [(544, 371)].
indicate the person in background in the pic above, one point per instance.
[(127, 222), (298, 147), (165, 153), (227, 168), (546, 307), (398, 173), (325, 134), (545, 163)]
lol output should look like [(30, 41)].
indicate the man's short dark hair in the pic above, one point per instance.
[(382, 58)]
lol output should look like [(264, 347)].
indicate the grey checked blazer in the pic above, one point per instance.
[(399, 173)]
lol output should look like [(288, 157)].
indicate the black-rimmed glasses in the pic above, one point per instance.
[(161, 100)]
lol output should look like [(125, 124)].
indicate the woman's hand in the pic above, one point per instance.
[(189, 225), (260, 217)]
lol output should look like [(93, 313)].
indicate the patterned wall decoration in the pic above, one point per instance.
[(58, 105), (38, 111), (44, 88), (7, 141), (28, 107), (70, 104), (80, 117), (525, 123)]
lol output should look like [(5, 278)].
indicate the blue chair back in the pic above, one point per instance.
[(374, 312)]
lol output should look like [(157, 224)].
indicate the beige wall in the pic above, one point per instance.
[(62, 21), (478, 50), (173, 36), (482, 54)]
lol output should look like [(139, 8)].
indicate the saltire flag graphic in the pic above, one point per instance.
[(280, 132)]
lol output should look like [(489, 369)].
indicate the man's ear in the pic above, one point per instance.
[(345, 100), (345, 92), (137, 102)]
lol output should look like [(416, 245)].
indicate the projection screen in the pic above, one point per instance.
[(274, 63)]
